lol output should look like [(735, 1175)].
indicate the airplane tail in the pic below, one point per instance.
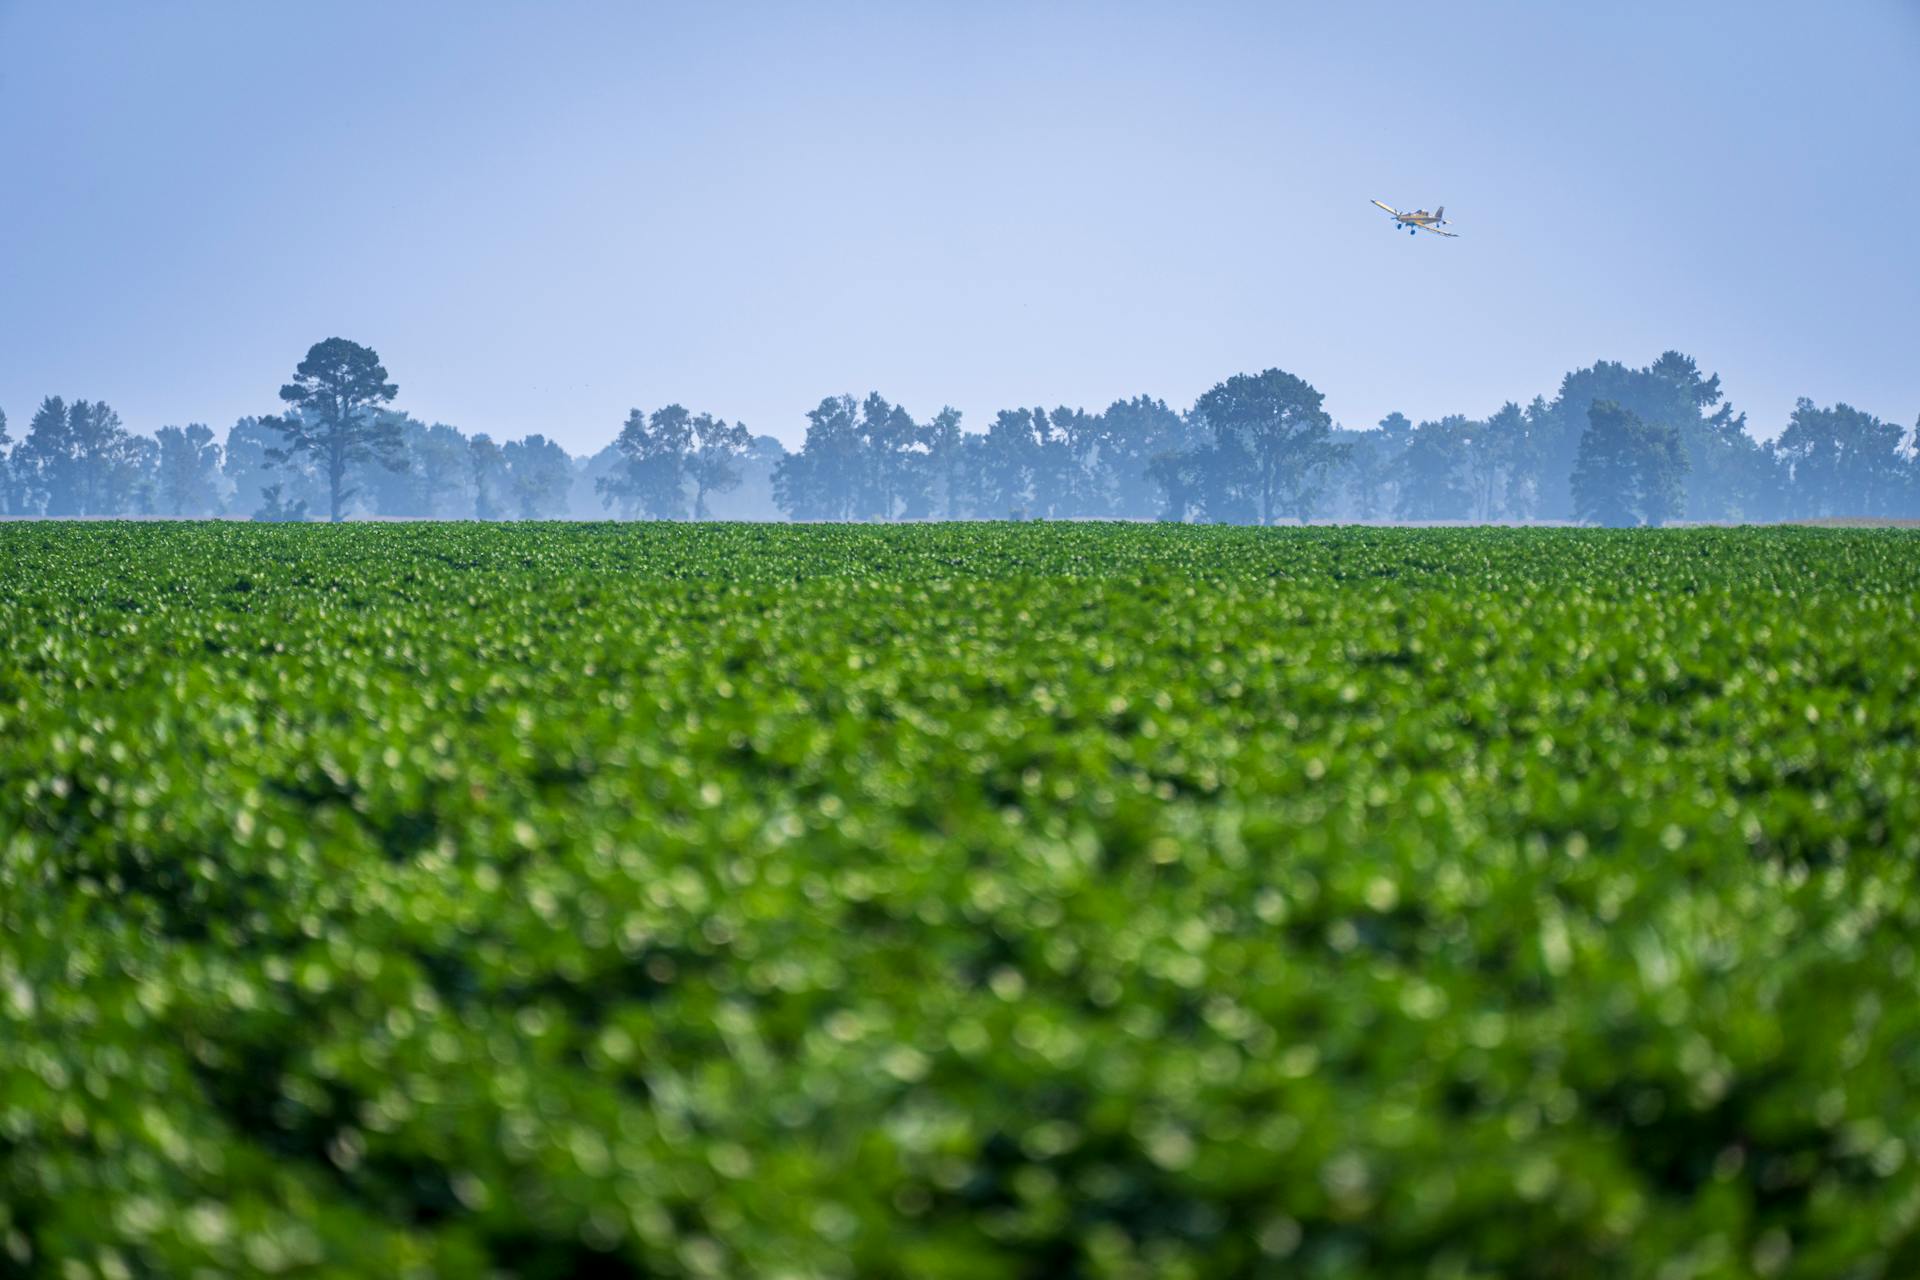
[(1440, 214)]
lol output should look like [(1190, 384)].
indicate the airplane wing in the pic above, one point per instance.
[(1389, 208), (1451, 235)]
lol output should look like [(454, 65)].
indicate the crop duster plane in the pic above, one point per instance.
[(1418, 219)]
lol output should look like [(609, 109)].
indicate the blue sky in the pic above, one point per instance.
[(542, 214)]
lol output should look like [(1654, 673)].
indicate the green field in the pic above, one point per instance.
[(958, 901)]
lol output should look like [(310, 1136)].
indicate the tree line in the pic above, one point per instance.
[(1615, 445)]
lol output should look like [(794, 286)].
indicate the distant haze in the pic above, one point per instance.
[(541, 215)]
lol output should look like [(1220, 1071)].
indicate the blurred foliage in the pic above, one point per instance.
[(958, 901)]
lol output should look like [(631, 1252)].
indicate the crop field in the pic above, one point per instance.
[(958, 901)]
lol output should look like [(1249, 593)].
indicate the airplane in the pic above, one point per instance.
[(1418, 220)]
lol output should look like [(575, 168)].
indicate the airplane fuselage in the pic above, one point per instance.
[(1412, 220)]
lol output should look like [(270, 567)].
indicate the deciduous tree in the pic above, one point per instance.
[(485, 471), (822, 480), (78, 460), (188, 476), (1627, 471), (539, 474), (1844, 461), (713, 458), (651, 475), (1131, 434), (1009, 456), (1274, 442), (1435, 480)]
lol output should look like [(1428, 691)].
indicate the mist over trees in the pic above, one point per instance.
[(1627, 471), (671, 459), (1613, 445)]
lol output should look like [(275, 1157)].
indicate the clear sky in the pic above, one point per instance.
[(541, 214)]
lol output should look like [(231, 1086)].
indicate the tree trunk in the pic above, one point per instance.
[(337, 458)]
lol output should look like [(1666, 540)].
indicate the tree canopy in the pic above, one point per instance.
[(1256, 448), (1627, 471)]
